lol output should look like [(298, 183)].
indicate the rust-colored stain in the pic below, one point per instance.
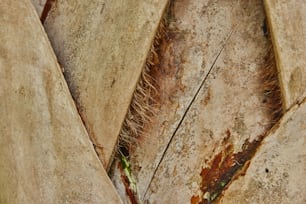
[(225, 167), (195, 199), (206, 100), (126, 183)]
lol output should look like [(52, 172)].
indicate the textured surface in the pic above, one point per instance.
[(218, 48), (229, 101), (277, 172), (199, 31), (287, 20), (45, 152), (102, 46)]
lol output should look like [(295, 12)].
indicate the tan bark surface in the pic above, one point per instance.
[(287, 20), (217, 48), (277, 172), (39, 6), (229, 103), (102, 46), (45, 152), (201, 30)]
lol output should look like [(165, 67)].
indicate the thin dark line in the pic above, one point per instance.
[(185, 113)]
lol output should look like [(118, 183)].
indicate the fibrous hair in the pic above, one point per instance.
[(143, 104)]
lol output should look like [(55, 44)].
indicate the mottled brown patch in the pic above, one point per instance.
[(195, 199), (206, 100), (225, 167), (126, 183)]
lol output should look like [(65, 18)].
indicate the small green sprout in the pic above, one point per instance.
[(213, 196), (222, 183), (128, 173)]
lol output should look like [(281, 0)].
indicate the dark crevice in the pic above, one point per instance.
[(124, 151), (48, 5)]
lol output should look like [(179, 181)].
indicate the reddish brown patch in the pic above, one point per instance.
[(225, 167), (227, 137), (195, 199), (164, 71), (166, 79), (206, 100), (156, 75), (126, 183)]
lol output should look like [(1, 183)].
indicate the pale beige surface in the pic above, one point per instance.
[(230, 99), (39, 6), (287, 22), (102, 46), (277, 172), (45, 153), (200, 31)]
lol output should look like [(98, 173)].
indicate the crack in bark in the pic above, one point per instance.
[(188, 108), (48, 5)]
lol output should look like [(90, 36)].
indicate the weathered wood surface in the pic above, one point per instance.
[(277, 172), (39, 6), (102, 46), (228, 105), (287, 20), (45, 155), (187, 60), (231, 33)]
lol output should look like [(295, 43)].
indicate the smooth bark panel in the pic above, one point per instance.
[(287, 20), (277, 172), (45, 152), (102, 46)]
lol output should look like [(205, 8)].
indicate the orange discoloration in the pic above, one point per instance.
[(225, 167), (195, 199)]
